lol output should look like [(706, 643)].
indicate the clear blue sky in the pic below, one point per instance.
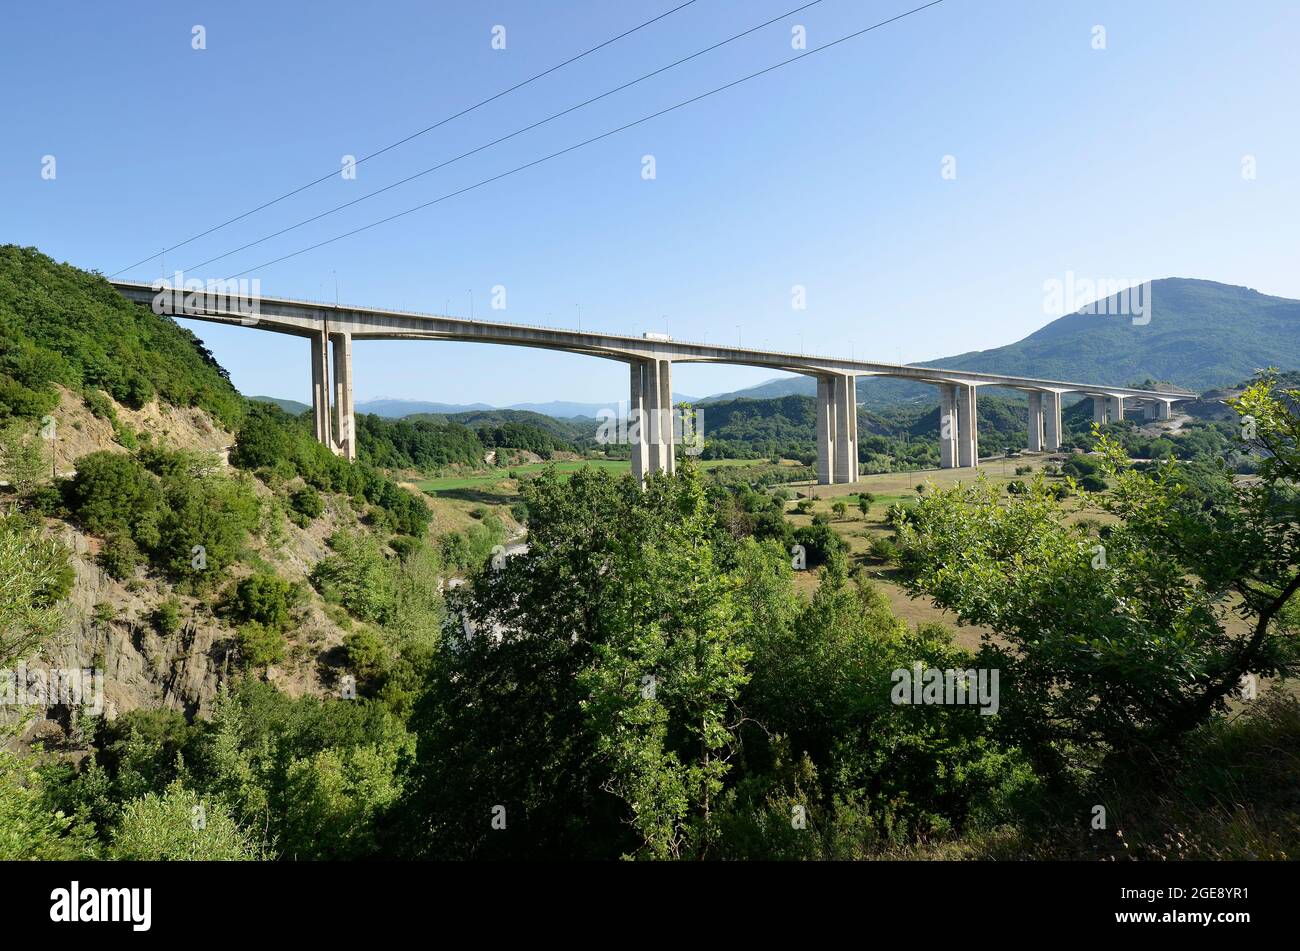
[(1122, 163)]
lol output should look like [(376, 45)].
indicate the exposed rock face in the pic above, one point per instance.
[(109, 624), (109, 629), (180, 427)]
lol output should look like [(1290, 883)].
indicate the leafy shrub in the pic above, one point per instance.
[(263, 598), (820, 542), (113, 491), (306, 502), (167, 617), (883, 549), (119, 555), (261, 645)]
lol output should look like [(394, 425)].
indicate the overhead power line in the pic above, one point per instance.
[(527, 128), (593, 139), (415, 135)]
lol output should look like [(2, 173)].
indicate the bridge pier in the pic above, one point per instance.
[(636, 422), (1099, 410), (1052, 420), (968, 444), (837, 429), (1165, 409), (846, 429), (345, 418), (1115, 408), (825, 430), (947, 426), (650, 418), (320, 388), (1036, 422)]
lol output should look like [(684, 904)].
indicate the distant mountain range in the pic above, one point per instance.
[(1201, 334)]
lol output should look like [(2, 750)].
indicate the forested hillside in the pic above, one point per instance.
[(59, 324)]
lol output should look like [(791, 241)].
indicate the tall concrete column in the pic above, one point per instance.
[(846, 442), (1035, 422), (320, 388), (637, 424), (659, 409), (1052, 421), (853, 426), (826, 429), (1099, 409), (1115, 409), (345, 419), (947, 426), (1165, 410), (968, 447)]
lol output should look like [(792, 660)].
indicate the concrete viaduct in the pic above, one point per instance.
[(332, 328)]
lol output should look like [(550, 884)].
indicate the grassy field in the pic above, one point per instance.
[(858, 532), (455, 497), (501, 476)]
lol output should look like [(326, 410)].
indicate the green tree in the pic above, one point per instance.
[(1125, 641), (29, 828), (663, 686), (35, 575), (24, 463), (179, 825)]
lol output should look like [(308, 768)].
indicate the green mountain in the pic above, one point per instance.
[(59, 324), (292, 407), (1201, 334)]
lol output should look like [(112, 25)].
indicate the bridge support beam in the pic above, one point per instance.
[(320, 388), (826, 428), (345, 417), (1165, 409), (1099, 410), (968, 447), (1115, 409), (846, 429), (650, 419), (1052, 421), (1035, 422), (637, 424), (947, 426)]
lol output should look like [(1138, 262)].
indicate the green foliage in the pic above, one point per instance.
[(29, 828), (179, 826), (415, 443), (263, 598), (471, 548), (273, 441), (167, 617), (35, 575), (112, 491), (119, 555), (164, 506), (820, 542), (307, 502), (62, 325), (24, 461), (1080, 671), (261, 645), (516, 435), (357, 575)]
